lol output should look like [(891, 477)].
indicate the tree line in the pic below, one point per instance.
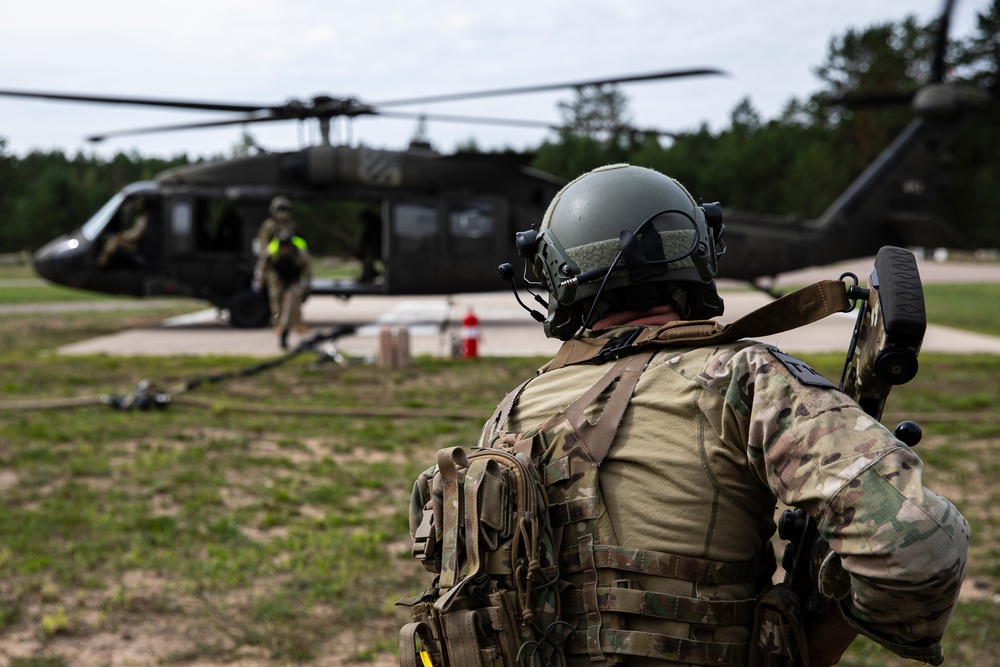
[(795, 164), (798, 163)]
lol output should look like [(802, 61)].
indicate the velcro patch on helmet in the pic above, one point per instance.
[(603, 253), (802, 371)]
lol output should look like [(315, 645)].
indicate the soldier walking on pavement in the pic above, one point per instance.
[(286, 269), (280, 219), (671, 551)]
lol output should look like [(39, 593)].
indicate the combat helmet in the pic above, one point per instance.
[(281, 203), (624, 237)]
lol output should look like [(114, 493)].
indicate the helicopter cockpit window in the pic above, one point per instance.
[(471, 220), (93, 227)]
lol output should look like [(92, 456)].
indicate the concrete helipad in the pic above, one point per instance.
[(434, 322)]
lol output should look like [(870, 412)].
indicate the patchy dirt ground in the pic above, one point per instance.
[(146, 619)]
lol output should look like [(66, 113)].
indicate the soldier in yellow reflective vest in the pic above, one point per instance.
[(286, 269)]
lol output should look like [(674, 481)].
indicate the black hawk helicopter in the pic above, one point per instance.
[(448, 220)]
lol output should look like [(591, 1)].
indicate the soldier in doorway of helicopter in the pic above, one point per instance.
[(286, 269), (668, 559), (369, 248), (125, 246)]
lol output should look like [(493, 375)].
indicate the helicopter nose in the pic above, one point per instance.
[(62, 260)]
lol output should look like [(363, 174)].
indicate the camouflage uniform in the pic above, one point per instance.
[(711, 437), (287, 280), (125, 243)]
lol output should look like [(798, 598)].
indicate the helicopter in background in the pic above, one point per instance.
[(443, 219), (448, 220)]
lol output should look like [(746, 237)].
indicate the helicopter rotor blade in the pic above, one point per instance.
[(938, 65), (449, 118), (324, 107), (95, 138), (874, 100), (884, 99), (510, 122), (138, 101), (633, 78)]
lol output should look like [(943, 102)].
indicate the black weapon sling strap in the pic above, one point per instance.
[(805, 306)]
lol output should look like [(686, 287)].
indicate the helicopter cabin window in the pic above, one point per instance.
[(181, 218), (205, 225), (414, 227), (471, 227), (218, 224)]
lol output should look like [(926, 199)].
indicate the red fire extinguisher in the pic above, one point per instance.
[(470, 335)]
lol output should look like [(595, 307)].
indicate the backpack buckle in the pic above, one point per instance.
[(617, 347), (424, 540)]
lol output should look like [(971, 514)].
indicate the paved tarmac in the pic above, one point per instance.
[(434, 323)]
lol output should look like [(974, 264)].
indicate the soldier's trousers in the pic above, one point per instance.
[(286, 302)]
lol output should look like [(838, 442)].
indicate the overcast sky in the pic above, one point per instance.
[(268, 51)]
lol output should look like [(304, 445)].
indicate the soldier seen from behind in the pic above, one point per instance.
[(663, 509), (286, 269)]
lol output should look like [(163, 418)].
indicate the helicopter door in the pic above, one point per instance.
[(450, 245), (413, 256), (474, 236), (205, 246)]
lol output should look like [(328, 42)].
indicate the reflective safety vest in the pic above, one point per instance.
[(297, 241), (288, 267)]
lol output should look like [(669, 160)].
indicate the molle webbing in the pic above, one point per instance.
[(650, 645), (663, 605), (791, 311), (688, 568)]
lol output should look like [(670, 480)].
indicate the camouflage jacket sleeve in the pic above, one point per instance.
[(305, 264), (903, 546), (263, 260)]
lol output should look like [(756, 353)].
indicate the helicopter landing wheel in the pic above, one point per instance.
[(249, 310)]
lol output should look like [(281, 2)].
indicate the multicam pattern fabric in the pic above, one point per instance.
[(478, 521), (903, 546), (712, 437)]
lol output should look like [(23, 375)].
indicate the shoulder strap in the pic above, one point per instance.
[(791, 311), (597, 436), (499, 419)]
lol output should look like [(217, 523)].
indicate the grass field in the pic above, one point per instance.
[(265, 525)]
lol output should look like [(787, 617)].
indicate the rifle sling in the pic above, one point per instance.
[(791, 311)]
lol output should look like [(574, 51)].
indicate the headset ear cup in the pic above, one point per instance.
[(526, 243)]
